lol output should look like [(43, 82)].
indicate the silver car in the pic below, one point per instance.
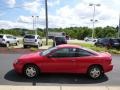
[(32, 40), (8, 40)]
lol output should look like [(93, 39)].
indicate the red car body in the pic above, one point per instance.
[(48, 64)]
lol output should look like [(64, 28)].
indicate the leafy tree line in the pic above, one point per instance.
[(73, 32)]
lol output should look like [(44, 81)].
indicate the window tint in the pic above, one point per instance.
[(114, 40), (10, 37), (81, 53), (29, 36), (105, 40), (65, 52), (1, 36), (59, 38)]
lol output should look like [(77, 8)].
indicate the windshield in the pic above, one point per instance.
[(115, 40), (45, 52), (59, 38)]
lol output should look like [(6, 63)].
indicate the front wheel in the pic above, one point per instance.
[(95, 72), (31, 71)]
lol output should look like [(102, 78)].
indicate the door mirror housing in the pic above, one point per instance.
[(49, 56)]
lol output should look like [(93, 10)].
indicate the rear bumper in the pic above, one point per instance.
[(108, 68), (30, 44)]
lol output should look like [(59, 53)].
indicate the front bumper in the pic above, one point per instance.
[(18, 67), (2, 43)]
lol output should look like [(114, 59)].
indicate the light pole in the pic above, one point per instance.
[(46, 15), (35, 23), (37, 19), (119, 27), (93, 19)]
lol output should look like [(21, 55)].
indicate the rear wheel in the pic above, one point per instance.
[(25, 46), (31, 71), (95, 72), (17, 43)]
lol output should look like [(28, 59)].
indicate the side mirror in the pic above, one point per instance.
[(49, 56)]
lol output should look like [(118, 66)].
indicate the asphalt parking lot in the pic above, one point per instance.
[(9, 77)]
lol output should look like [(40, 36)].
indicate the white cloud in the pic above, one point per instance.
[(53, 3), (66, 16), (11, 3), (8, 24), (33, 6), (81, 13)]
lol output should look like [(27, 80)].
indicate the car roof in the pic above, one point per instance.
[(68, 45), (6, 34), (59, 36), (31, 35)]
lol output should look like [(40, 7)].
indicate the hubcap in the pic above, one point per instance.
[(95, 73), (30, 72)]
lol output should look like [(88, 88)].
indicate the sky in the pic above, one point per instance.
[(61, 13)]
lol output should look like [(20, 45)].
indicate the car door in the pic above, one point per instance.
[(61, 61), (10, 39)]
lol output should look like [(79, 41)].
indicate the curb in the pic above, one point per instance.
[(7, 87)]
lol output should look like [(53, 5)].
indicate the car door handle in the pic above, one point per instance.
[(73, 60)]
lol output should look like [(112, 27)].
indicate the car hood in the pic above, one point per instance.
[(30, 56)]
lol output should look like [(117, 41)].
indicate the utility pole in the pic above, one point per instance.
[(46, 15), (119, 27)]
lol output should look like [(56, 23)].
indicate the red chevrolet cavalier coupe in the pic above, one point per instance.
[(64, 59)]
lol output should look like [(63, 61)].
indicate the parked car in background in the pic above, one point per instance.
[(90, 39), (59, 40), (64, 59), (8, 40), (32, 40), (108, 42)]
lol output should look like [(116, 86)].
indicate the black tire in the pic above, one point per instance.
[(17, 43), (33, 73), (24, 46), (41, 44), (95, 72)]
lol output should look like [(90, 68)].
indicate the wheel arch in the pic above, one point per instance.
[(30, 64), (98, 65)]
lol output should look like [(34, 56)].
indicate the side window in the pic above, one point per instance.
[(38, 37), (65, 52), (10, 37), (82, 53)]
